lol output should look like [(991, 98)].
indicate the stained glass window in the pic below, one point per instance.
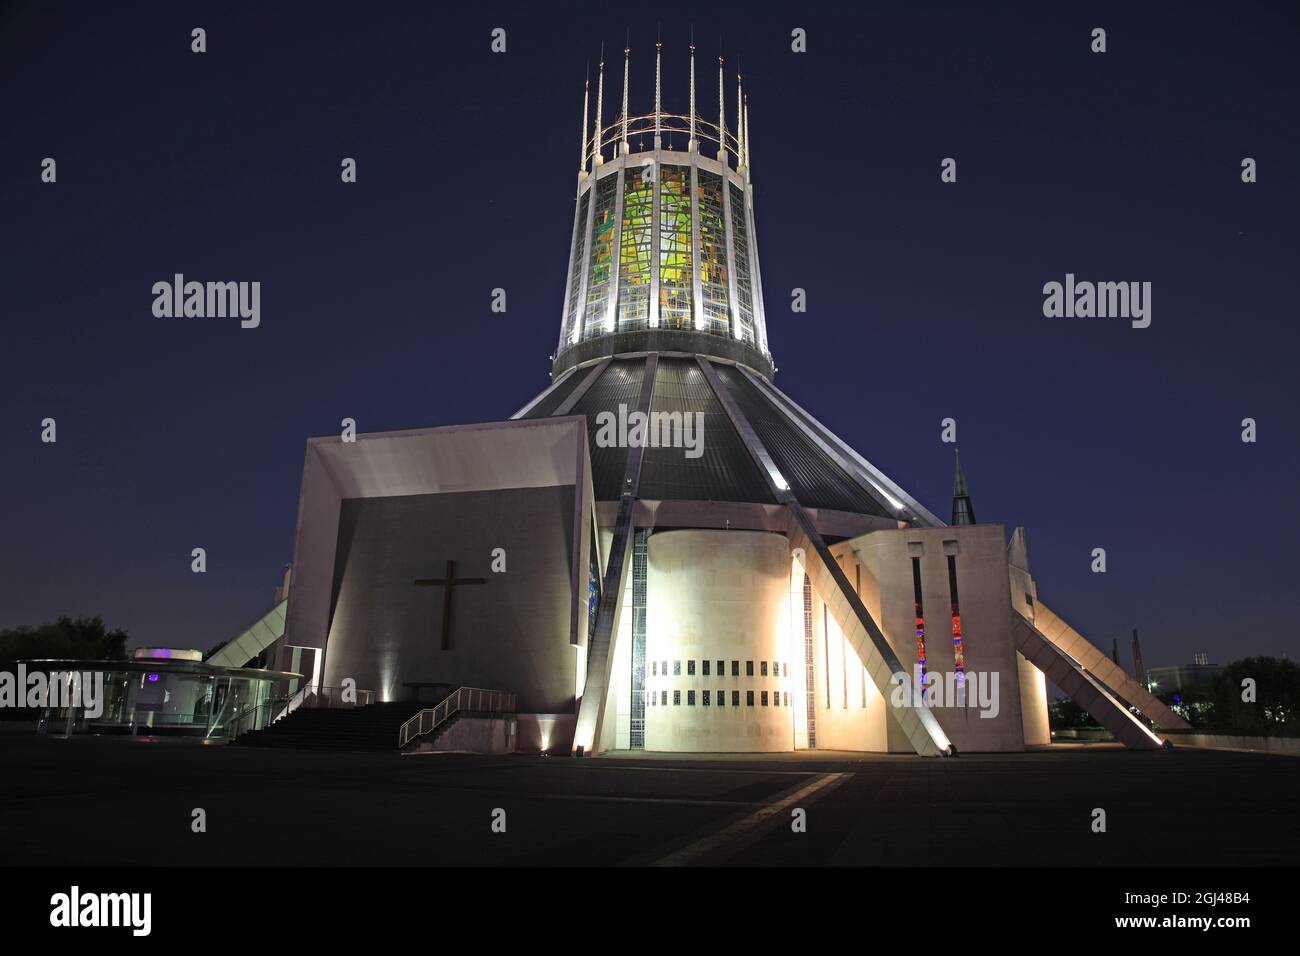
[(635, 249), (602, 258), (575, 276), (713, 255), (744, 284), (676, 289)]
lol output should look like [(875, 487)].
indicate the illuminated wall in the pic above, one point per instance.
[(719, 677), (888, 591)]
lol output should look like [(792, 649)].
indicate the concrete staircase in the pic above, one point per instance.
[(374, 727)]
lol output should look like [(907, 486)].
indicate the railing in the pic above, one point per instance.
[(469, 699), (252, 717), (612, 134)]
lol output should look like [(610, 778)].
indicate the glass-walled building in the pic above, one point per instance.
[(158, 692)]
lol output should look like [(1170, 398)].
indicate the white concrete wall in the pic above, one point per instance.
[(719, 595), (850, 712), (988, 646), (1033, 704)]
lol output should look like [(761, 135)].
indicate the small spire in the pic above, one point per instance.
[(748, 160), (963, 510), (658, 108), (597, 148), (627, 53), (690, 146), (586, 94), (722, 115), (740, 120)]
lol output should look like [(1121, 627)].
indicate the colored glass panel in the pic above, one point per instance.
[(676, 289), (601, 263), (744, 282), (575, 274), (713, 255), (634, 270)]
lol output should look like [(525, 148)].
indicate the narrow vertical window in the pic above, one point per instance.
[(920, 619), (958, 651), (810, 665), (826, 653)]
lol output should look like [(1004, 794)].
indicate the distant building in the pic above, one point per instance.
[(1184, 677)]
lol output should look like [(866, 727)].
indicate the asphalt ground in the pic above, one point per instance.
[(90, 801)]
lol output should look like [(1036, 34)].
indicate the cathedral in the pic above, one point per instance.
[(663, 551)]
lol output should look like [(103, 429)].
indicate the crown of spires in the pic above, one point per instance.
[(593, 144), (963, 509)]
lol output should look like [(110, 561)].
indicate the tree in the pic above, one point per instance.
[(1065, 714), (65, 639), (1275, 710)]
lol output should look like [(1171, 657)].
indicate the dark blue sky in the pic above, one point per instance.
[(924, 299)]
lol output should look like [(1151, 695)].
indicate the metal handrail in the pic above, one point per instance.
[(475, 699)]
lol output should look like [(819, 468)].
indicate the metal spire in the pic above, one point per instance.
[(691, 144), (748, 161), (627, 53), (740, 121), (963, 511), (722, 115), (582, 146), (597, 150), (658, 109)]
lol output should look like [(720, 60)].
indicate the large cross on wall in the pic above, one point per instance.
[(448, 583)]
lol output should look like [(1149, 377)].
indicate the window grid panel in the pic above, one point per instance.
[(601, 266), (713, 255), (576, 296), (676, 287), (640, 552), (635, 250), (744, 284)]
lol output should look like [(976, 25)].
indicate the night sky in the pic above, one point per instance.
[(925, 299)]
